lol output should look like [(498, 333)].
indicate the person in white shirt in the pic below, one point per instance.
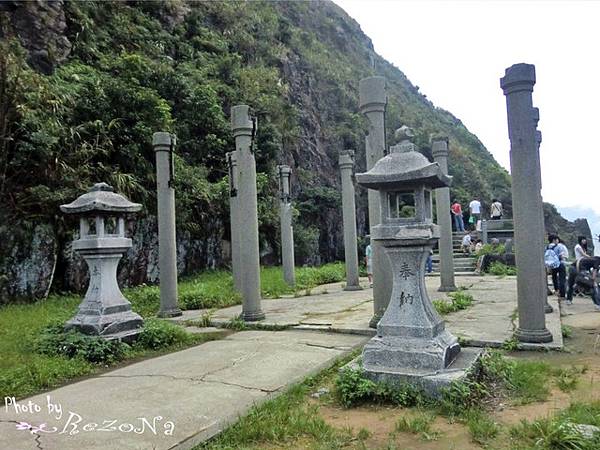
[(475, 212), (496, 210), (466, 243), (581, 250)]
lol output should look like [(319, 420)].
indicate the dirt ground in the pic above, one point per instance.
[(582, 348)]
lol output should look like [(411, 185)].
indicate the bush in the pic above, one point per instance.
[(489, 249), (158, 334), (54, 341), (500, 269), (352, 388)]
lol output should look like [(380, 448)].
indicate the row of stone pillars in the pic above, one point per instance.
[(527, 205)]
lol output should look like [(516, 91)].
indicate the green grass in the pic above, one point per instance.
[(418, 424), (559, 431), (459, 300), (501, 270), (481, 427), (24, 371)]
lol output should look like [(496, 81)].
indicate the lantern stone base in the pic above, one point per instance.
[(415, 353), (109, 326), (431, 382)]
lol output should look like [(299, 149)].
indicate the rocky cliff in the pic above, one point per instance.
[(87, 83)]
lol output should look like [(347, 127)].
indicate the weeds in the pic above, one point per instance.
[(566, 331), (481, 427), (459, 300), (418, 424)]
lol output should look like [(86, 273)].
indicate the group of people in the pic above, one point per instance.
[(583, 272), (474, 214)]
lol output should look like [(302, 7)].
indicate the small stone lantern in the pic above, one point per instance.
[(411, 344), (104, 310)]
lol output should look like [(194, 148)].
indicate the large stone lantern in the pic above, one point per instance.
[(412, 344), (102, 242)]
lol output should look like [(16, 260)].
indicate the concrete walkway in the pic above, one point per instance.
[(488, 323), (178, 400), (200, 390)]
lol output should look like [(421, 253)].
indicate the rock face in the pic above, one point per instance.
[(28, 258), (40, 26)]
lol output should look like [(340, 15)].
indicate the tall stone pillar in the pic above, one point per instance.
[(372, 101), (244, 129), (234, 219), (287, 231), (164, 146), (517, 85), (439, 148), (346, 162), (538, 139)]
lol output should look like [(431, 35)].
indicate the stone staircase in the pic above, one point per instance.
[(463, 265)]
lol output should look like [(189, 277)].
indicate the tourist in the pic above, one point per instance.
[(563, 254), (475, 212), (581, 250), (467, 242), (585, 272), (429, 263), (457, 213), (496, 210), (369, 263), (552, 260)]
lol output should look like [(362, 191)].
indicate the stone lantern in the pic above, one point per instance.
[(104, 310), (412, 344)]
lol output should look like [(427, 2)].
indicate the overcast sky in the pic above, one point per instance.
[(456, 52)]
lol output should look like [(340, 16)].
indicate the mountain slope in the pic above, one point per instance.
[(87, 90)]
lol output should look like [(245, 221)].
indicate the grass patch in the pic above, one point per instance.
[(459, 300), (418, 424), (567, 379), (501, 270), (481, 427), (24, 371), (560, 432), (566, 331)]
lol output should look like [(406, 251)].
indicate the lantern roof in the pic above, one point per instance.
[(403, 167), (100, 198)]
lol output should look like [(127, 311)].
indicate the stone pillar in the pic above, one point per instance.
[(538, 139), (244, 129), (439, 148), (346, 162), (517, 85), (164, 146), (234, 220), (287, 231), (372, 101)]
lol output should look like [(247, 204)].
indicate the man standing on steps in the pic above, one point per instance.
[(457, 213), (475, 211)]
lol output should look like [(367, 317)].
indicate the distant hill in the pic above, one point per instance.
[(89, 82)]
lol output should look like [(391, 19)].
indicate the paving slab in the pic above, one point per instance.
[(177, 400)]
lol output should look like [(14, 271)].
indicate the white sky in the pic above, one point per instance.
[(456, 52)]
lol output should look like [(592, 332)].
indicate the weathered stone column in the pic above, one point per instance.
[(538, 139), (439, 148), (164, 146), (372, 101), (517, 85), (244, 129), (287, 231), (236, 268), (346, 162)]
